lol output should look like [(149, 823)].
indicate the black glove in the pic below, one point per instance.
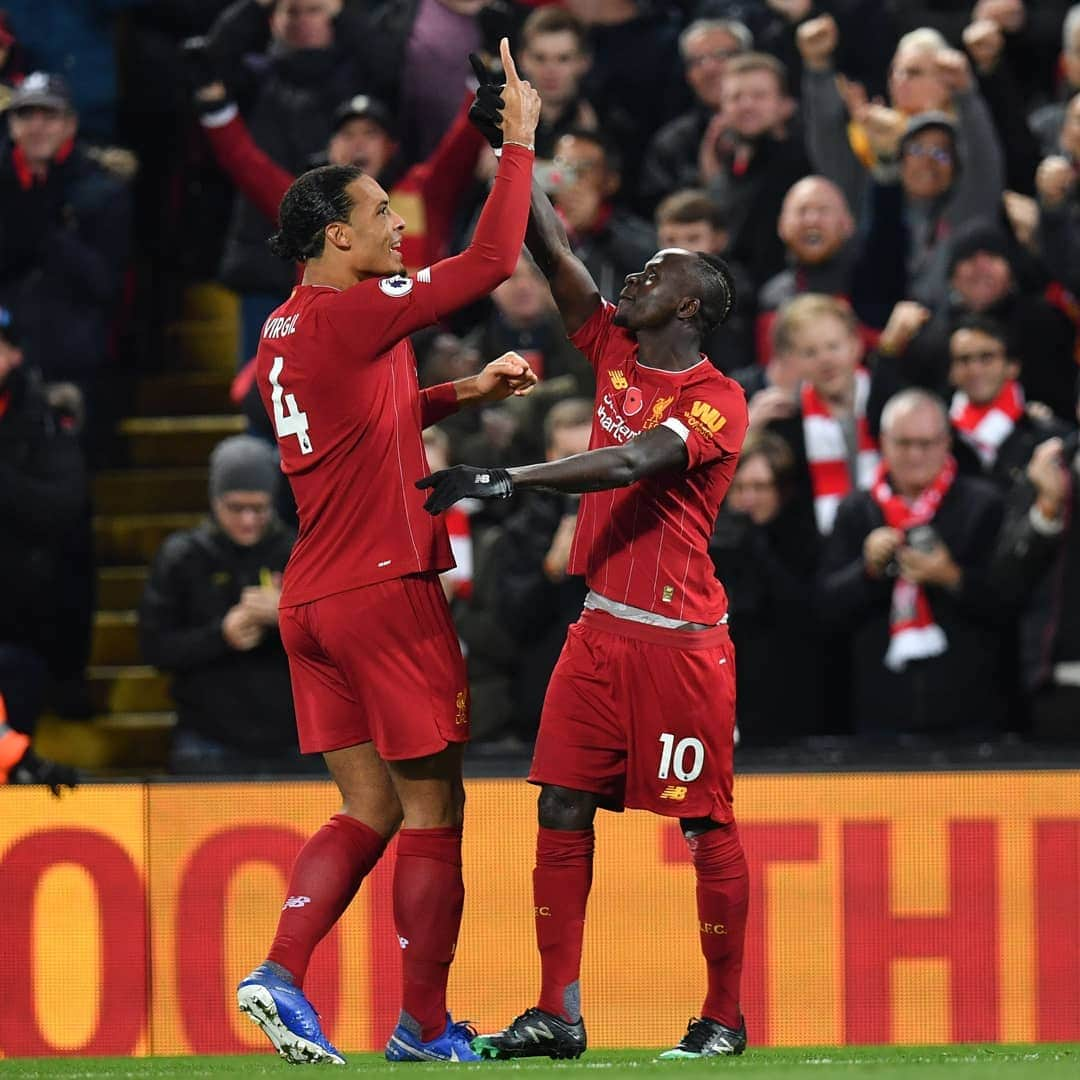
[(34, 770), (464, 482), (485, 113)]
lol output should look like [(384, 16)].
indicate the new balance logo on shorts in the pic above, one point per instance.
[(296, 901), (674, 792)]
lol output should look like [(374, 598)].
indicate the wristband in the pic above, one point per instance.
[(510, 142)]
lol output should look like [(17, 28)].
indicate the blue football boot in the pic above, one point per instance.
[(453, 1044), (286, 1017)]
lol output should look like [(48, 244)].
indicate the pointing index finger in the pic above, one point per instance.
[(508, 61)]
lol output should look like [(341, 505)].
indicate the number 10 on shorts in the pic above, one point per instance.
[(673, 755)]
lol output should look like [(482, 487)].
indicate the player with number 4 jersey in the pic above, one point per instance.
[(377, 674), (640, 710)]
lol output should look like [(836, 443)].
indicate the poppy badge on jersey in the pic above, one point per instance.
[(396, 286)]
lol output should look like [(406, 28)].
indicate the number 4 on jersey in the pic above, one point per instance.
[(293, 422)]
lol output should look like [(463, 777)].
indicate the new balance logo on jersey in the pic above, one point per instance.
[(673, 792), (482, 478), (296, 901), (618, 380)]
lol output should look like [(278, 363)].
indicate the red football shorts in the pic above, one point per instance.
[(380, 663), (642, 717)]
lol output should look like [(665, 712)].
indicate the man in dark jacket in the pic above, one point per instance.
[(749, 160), (983, 280), (609, 241), (43, 504), (765, 550), (209, 616), (288, 63), (995, 434), (907, 571), (1041, 546), (671, 161), (64, 235), (537, 601)]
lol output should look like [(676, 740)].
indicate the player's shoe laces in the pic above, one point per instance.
[(286, 1018), (405, 1043), (709, 1038), (534, 1034)]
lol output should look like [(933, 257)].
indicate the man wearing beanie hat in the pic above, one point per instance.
[(984, 279), (209, 617)]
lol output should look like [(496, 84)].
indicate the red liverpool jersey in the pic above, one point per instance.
[(347, 417), (337, 377), (647, 545)]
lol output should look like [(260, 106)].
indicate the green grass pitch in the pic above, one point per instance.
[(1012, 1062)]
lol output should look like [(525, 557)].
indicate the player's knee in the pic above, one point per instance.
[(384, 819), (565, 809)]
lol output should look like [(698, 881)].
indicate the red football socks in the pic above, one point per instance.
[(324, 879), (561, 883), (722, 889), (428, 897)]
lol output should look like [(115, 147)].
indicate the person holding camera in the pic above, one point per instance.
[(907, 573)]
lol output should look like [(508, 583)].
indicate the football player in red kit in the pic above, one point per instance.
[(378, 679), (640, 709)]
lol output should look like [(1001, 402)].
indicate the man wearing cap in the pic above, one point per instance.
[(923, 189), (364, 134), (65, 224), (209, 617)]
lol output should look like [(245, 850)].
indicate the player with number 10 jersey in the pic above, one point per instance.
[(640, 709)]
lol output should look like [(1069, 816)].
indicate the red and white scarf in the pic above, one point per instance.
[(913, 634), (827, 452), (986, 427)]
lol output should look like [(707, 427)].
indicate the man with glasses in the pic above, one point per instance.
[(671, 162), (209, 617), (908, 572), (995, 433)]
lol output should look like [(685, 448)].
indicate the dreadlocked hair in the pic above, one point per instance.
[(717, 290)]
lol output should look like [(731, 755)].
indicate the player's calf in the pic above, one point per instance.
[(534, 1034)]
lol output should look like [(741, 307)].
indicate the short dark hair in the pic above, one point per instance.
[(554, 20), (717, 290), (690, 205), (984, 324), (612, 157), (314, 200)]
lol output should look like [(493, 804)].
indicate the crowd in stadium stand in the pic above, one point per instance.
[(894, 184)]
